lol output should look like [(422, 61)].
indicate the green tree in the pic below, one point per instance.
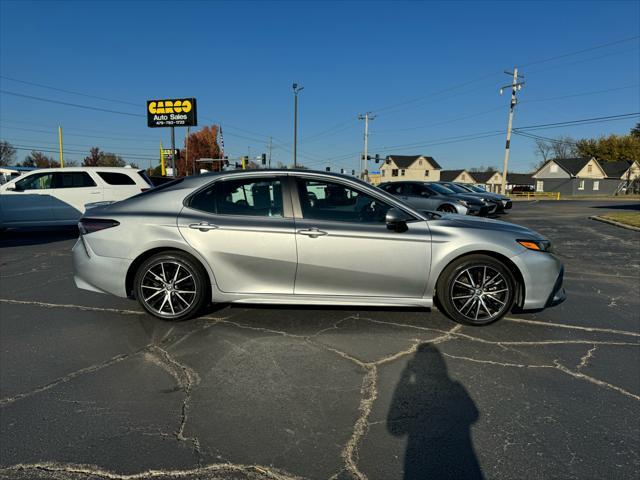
[(635, 131), (7, 153), (39, 160), (610, 149)]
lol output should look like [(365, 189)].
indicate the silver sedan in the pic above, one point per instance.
[(313, 238)]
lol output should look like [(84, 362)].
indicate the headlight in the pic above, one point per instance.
[(537, 245), (463, 203)]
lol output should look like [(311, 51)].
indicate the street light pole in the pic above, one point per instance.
[(296, 89)]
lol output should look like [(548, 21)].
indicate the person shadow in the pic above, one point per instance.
[(436, 414)]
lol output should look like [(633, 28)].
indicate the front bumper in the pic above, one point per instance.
[(543, 275), (96, 273), (558, 295)]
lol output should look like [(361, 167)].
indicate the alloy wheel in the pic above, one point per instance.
[(168, 288), (480, 293)]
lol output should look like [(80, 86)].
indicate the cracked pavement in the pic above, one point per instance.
[(92, 388)]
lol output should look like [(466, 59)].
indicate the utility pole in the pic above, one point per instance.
[(173, 152), (186, 153), (296, 89), (516, 85), (366, 117), (60, 143), (270, 147)]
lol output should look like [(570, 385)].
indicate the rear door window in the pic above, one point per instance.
[(72, 180), (260, 197), (114, 178)]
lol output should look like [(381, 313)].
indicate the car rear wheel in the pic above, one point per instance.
[(446, 208), (171, 286), (476, 290)]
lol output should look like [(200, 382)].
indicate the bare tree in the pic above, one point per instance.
[(544, 149), (7, 153)]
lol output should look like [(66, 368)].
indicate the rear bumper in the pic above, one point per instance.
[(98, 274)]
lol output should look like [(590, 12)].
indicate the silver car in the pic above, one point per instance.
[(312, 238), (435, 197)]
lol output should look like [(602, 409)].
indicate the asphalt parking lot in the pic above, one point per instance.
[(90, 387)]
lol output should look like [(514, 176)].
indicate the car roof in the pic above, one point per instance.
[(84, 169)]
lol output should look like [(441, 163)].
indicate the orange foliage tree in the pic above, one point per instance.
[(202, 144)]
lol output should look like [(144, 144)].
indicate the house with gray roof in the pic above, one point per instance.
[(459, 176), (579, 176)]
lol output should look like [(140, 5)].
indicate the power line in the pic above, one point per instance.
[(67, 134), (87, 107), (581, 121), (584, 94), (584, 50), (40, 85)]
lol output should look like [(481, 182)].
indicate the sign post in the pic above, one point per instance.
[(175, 112)]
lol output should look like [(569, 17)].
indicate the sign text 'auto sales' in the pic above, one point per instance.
[(175, 112)]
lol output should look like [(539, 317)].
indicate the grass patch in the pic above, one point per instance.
[(628, 218)]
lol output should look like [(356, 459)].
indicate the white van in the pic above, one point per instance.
[(58, 196)]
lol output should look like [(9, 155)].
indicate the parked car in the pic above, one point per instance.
[(311, 238), (523, 189), (425, 196), (492, 201), (59, 196), (504, 202)]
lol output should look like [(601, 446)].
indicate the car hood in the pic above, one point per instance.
[(468, 198), (466, 221)]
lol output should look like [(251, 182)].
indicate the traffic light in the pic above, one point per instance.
[(245, 161), (264, 159), (377, 158), (353, 172), (328, 169), (238, 166)]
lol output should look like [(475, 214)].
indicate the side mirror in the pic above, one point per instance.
[(12, 189), (396, 220)]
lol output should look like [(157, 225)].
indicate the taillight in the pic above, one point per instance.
[(90, 225)]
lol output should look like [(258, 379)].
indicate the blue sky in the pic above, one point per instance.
[(405, 61)]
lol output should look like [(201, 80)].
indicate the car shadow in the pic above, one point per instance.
[(36, 236), (634, 206), (436, 414)]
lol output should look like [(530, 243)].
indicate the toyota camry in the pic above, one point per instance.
[(310, 238)]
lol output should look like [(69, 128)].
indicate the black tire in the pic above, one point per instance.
[(186, 283), (476, 290), (446, 208)]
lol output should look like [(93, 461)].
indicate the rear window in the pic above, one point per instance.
[(145, 177), (113, 178)]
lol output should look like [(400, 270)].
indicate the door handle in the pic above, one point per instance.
[(95, 193), (203, 226), (312, 232)]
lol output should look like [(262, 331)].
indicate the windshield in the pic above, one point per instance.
[(475, 188), (456, 188), (441, 189)]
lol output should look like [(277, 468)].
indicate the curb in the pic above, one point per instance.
[(617, 224)]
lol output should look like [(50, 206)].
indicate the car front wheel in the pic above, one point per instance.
[(476, 290), (171, 286)]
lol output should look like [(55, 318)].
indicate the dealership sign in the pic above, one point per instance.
[(174, 112)]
